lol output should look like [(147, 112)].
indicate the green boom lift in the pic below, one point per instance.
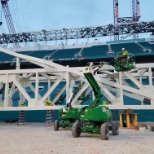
[(94, 118), (123, 63)]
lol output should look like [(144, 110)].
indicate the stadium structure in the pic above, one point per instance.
[(31, 73)]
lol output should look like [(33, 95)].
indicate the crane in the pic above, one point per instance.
[(8, 16)]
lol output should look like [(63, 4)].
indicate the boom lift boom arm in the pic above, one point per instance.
[(90, 78)]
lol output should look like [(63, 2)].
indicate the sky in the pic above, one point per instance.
[(33, 15)]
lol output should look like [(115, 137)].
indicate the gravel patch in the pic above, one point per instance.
[(35, 138)]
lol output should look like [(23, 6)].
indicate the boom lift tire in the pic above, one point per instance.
[(76, 129), (104, 131), (115, 128), (56, 125)]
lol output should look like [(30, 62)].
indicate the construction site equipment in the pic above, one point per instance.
[(68, 115), (128, 119), (8, 17), (21, 119), (94, 118), (123, 63), (49, 118)]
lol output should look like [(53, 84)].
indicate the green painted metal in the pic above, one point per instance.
[(94, 115), (84, 98), (123, 66), (69, 113), (66, 123), (68, 116), (91, 127), (96, 90)]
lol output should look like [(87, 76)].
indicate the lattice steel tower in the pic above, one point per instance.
[(135, 16), (8, 16)]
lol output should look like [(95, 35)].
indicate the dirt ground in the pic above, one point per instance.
[(35, 138)]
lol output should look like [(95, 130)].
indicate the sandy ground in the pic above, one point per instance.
[(35, 138)]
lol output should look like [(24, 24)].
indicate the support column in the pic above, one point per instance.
[(140, 79), (49, 84), (121, 90), (23, 91), (6, 92), (67, 85), (36, 89), (151, 84), (21, 98), (51, 88), (17, 63), (77, 41)]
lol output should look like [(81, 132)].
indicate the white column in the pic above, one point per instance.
[(49, 84), (6, 92), (51, 89), (21, 98), (22, 90), (140, 79), (121, 90), (17, 63), (36, 88), (67, 85), (151, 84), (1, 86)]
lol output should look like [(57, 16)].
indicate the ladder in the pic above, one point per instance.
[(49, 118), (21, 119)]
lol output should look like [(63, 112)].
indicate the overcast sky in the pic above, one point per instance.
[(56, 14)]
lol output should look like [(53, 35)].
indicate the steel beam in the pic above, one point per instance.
[(78, 33)]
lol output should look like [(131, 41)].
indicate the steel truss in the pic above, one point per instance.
[(109, 81), (8, 16), (78, 33)]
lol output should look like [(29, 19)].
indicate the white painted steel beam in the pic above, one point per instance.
[(51, 89), (88, 90), (33, 89), (57, 73), (84, 87), (109, 95), (22, 90), (36, 89), (6, 91), (59, 95), (134, 80)]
